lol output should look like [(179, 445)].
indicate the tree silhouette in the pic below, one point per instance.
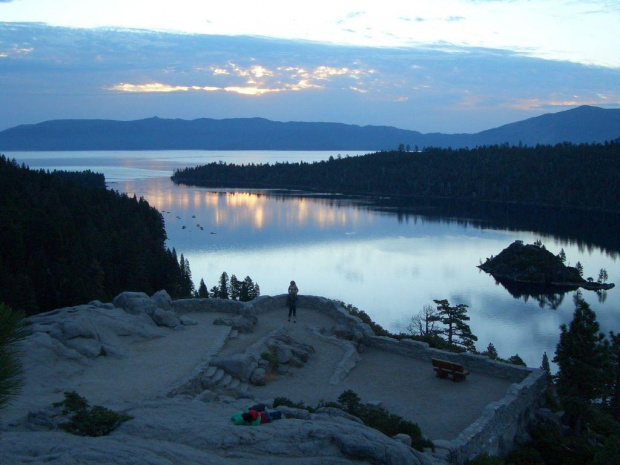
[(202, 290), (425, 322), (454, 318), (582, 356), (222, 291)]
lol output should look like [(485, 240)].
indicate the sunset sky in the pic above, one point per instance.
[(433, 66)]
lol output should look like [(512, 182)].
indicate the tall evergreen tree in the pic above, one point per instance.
[(584, 370), (249, 290), (491, 352), (215, 291), (255, 291), (223, 288), (545, 364), (186, 285), (235, 287), (579, 267), (203, 293), (454, 318)]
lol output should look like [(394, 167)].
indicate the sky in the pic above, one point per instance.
[(451, 66)]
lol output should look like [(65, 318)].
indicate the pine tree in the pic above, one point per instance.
[(244, 295), (579, 267), (583, 360), (545, 364), (457, 331), (203, 293), (562, 255), (223, 289), (249, 290), (235, 288), (255, 291), (186, 285), (492, 352)]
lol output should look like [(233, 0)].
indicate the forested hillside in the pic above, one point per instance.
[(66, 240), (582, 176)]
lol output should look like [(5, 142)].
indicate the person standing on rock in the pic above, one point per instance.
[(291, 301)]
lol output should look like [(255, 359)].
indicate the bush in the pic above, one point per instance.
[(485, 459), (88, 421), (289, 403), (377, 418), (610, 453), (274, 363), (557, 449), (525, 455), (382, 420)]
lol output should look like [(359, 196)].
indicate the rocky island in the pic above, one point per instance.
[(534, 264)]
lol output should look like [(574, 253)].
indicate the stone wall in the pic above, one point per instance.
[(501, 424)]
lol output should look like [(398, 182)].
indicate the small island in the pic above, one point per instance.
[(534, 264)]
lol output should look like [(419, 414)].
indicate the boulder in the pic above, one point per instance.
[(162, 299), (291, 412), (404, 438), (187, 321), (347, 332), (284, 354), (135, 303), (258, 377), (240, 323), (336, 412), (90, 331), (238, 365), (165, 318)]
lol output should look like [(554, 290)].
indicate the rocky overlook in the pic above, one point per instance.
[(534, 264), (181, 369)]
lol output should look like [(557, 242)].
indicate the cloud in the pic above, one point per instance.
[(159, 87), (51, 73)]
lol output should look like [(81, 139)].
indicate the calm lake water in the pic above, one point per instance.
[(388, 260)]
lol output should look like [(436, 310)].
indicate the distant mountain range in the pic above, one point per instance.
[(581, 124)]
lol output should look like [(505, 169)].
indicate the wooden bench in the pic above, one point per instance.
[(445, 368)]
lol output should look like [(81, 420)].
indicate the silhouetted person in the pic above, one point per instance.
[(291, 301)]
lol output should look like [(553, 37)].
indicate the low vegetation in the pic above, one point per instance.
[(84, 420), (12, 330), (373, 417)]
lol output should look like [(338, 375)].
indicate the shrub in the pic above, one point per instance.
[(274, 363), (86, 420), (610, 453), (377, 418), (382, 420), (289, 403), (485, 459)]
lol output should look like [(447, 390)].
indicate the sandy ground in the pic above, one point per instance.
[(404, 386)]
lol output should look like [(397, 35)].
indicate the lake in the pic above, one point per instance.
[(388, 259)]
